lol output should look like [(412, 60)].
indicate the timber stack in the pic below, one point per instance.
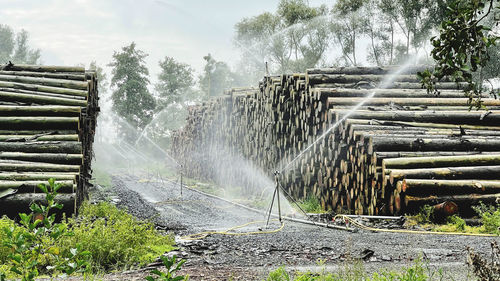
[(47, 125), (401, 148)]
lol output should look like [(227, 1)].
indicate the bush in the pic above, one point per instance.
[(490, 218), (311, 205), (116, 239)]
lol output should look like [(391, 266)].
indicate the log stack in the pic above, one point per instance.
[(47, 125), (303, 124)]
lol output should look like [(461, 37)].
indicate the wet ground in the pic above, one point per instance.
[(297, 246)]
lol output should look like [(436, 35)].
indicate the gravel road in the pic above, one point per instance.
[(297, 246)]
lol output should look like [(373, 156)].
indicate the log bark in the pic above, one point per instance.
[(376, 101), (67, 186), (446, 117), (413, 203), (40, 137), (54, 110), (444, 161), (60, 83), (71, 147), (55, 158), (37, 99), (423, 187), (42, 176), (42, 89), (467, 172), (41, 122), (24, 166), (41, 68)]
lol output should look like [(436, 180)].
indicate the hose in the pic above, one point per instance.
[(202, 235)]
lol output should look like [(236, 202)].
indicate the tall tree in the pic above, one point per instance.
[(348, 27), (217, 77), (292, 39), (131, 97), (6, 43), (15, 47), (175, 82)]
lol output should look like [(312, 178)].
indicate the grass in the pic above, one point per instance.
[(355, 271), (116, 239)]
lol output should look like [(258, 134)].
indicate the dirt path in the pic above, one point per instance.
[(250, 257)]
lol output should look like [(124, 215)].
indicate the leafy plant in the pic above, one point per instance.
[(35, 241), (171, 266), (462, 48), (490, 217), (311, 205), (116, 239)]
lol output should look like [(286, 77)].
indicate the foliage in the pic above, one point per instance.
[(15, 47), (217, 77), (175, 81), (171, 266), (34, 243), (279, 274), (311, 205), (490, 218), (354, 271), (426, 214), (131, 97), (292, 38), (116, 239), (462, 47)]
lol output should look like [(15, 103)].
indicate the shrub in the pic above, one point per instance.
[(490, 218), (116, 239)]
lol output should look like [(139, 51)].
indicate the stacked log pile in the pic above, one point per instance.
[(304, 126), (47, 124)]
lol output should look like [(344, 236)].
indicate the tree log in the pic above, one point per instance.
[(38, 99), (467, 172), (18, 166), (71, 147), (55, 158), (31, 122), (422, 187), (444, 161)]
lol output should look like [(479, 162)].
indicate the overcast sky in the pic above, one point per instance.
[(71, 32)]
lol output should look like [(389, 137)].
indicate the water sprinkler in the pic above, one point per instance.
[(275, 194)]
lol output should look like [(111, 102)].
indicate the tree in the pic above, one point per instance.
[(15, 48), (460, 55), (216, 77), (131, 97), (175, 82), (292, 39), (102, 78), (6, 43), (348, 27)]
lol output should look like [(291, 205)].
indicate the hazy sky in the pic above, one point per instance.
[(70, 32)]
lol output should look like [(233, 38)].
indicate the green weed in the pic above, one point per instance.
[(171, 266), (311, 205), (116, 239), (354, 271), (490, 218)]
